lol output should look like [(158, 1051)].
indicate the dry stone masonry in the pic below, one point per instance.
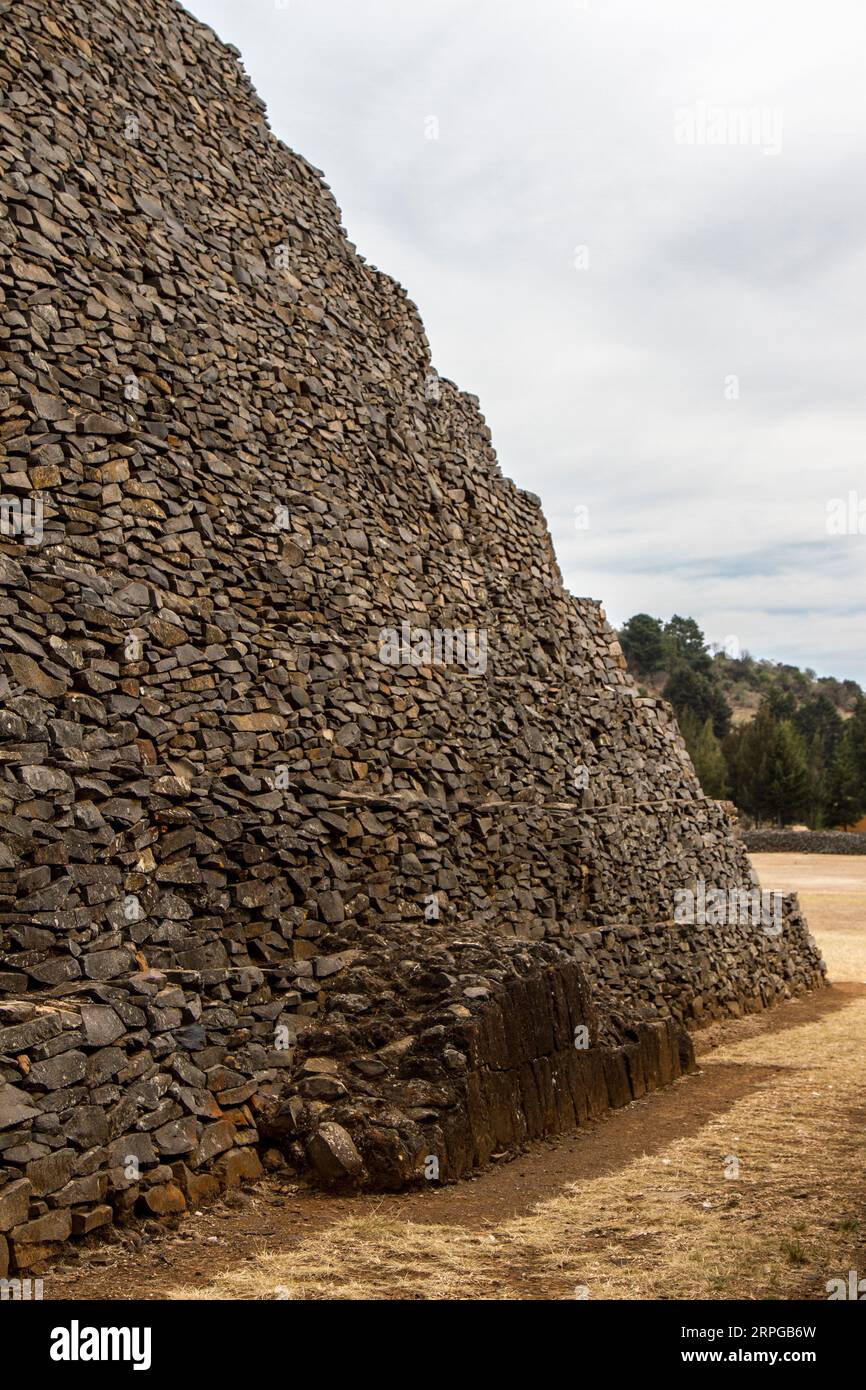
[(770, 841), (330, 823)]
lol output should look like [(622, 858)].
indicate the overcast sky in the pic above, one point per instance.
[(635, 229)]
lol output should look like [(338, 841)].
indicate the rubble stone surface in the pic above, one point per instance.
[(260, 883)]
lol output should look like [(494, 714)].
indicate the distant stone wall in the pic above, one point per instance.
[(260, 880), (804, 841)]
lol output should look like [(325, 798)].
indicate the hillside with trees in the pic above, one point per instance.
[(783, 744)]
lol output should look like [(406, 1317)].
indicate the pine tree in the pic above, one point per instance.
[(845, 798), (787, 780), (684, 642), (698, 694), (709, 762), (819, 759), (747, 750), (819, 718), (855, 729), (641, 642)]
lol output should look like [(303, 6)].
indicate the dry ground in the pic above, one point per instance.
[(747, 1180)]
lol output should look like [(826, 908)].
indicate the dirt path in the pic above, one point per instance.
[(746, 1180)]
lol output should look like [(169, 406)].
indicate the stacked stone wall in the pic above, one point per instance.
[(260, 883)]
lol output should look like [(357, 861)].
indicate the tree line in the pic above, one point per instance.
[(800, 758)]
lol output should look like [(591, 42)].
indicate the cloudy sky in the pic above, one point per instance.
[(636, 230)]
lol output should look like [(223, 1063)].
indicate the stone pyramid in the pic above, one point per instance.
[(331, 823)]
